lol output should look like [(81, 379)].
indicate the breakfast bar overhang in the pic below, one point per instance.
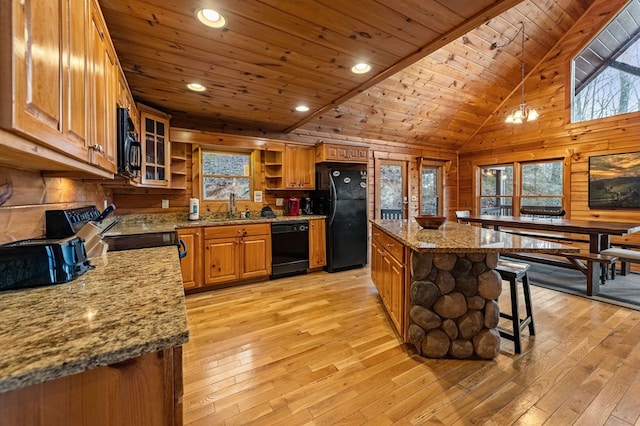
[(440, 287)]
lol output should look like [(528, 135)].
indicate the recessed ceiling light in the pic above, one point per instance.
[(211, 18), (196, 87), (302, 108), (361, 68)]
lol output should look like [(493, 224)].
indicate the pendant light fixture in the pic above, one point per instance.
[(523, 112)]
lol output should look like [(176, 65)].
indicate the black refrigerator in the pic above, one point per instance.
[(342, 197)]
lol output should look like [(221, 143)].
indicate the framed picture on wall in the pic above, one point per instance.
[(614, 181)]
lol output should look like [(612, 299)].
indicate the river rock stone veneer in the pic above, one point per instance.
[(453, 308)]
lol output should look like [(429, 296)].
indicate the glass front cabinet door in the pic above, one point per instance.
[(155, 147)]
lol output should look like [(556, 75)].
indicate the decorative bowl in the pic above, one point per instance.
[(429, 221)]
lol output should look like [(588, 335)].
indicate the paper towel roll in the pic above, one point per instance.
[(194, 209)]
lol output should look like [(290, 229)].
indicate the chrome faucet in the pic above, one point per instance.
[(232, 205)]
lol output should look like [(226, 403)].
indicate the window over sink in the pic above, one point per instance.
[(224, 173)]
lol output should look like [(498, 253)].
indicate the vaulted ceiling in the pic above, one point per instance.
[(441, 69)]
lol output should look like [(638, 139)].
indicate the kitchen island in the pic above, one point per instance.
[(104, 348), (440, 287)]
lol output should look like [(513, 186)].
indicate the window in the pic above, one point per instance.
[(606, 74), (540, 184), (431, 190), (496, 190), (224, 173)]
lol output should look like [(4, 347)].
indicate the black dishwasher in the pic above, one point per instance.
[(289, 248)]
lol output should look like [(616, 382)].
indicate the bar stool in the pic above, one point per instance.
[(513, 272)]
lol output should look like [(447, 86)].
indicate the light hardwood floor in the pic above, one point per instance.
[(318, 349)]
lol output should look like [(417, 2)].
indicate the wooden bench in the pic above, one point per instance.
[(593, 266), (625, 255), (546, 236), (596, 266)]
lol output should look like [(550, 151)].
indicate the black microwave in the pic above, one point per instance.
[(129, 148)]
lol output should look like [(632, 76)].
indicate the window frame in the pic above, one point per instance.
[(569, 124), (439, 185), (512, 197), (517, 183), (198, 176), (439, 166)]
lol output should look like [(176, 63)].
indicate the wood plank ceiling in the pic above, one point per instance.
[(435, 77)]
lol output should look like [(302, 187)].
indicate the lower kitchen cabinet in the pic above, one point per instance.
[(142, 391), (317, 243), (191, 264), (388, 274), (236, 252)]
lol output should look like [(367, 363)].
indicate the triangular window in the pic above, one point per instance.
[(606, 74)]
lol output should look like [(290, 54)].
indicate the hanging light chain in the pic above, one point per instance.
[(523, 112)]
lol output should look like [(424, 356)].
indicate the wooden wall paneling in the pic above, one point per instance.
[(131, 201), (28, 194), (546, 89)]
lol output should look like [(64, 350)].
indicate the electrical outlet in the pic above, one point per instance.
[(165, 204), (279, 202)]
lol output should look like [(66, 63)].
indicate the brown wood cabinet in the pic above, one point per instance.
[(236, 252), (317, 243), (388, 274), (299, 168), (102, 82), (65, 98), (156, 148), (191, 264), (327, 152), (144, 391), (44, 95)]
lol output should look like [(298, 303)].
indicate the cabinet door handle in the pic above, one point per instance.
[(96, 147)]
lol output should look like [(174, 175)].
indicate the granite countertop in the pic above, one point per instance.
[(131, 304), (454, 237), (142, 224)]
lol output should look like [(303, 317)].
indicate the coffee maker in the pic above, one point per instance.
[(291, 206), (307, 206)]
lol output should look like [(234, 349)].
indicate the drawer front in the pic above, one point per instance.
[(393, 246), (228, 231)]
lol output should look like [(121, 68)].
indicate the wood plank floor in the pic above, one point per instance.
[(318, 349)]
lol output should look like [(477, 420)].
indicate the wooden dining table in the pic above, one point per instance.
[(599, 233)]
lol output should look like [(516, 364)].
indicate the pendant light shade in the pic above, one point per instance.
[(523, 112)]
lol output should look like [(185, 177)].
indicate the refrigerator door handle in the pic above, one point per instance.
[(333, 197)]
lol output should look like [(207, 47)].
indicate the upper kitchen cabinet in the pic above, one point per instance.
[(156, 148), (52, 78), (327, 152), (299, 167), (102, 78)]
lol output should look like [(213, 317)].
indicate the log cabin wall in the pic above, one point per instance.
[(552, 136), (148, 201), (25, 195)]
